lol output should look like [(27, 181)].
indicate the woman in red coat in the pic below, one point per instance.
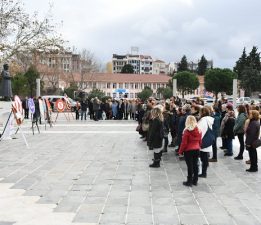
[(190, 145)]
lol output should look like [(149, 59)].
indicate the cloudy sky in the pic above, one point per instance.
[(164, 29)]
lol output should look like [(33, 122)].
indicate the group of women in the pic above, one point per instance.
[(194, 129)]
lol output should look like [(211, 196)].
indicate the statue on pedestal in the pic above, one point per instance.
[(6, 88)]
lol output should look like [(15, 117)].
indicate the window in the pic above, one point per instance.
[(131, 85), (136, 95), (114, 85), (109, 94), (126, 85), (120, 85), (131, 95), (136, 86), (154, 86), (158, 85), (108, 85)]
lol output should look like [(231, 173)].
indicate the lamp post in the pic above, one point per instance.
[(174, 87)]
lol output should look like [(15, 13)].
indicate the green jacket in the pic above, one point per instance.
[(239, 123)]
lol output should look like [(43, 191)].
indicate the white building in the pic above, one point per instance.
[(160, 67), (124, 85), (142, 64)]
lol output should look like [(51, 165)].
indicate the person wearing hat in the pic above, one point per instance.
[(6, 88)]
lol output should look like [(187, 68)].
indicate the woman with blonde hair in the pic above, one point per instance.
[(190, 145), (155, 135)]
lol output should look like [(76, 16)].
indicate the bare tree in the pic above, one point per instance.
[(88, 64), (20, 32)]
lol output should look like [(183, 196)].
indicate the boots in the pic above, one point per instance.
[(204, 172), (156, 161), (188, 182), (195, 180)]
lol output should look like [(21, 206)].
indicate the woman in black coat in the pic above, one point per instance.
[(228, 132), (252, 134), (155, 135)]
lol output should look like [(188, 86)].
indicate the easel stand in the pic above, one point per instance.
[(6, 125)]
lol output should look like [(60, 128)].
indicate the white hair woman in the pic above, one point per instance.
[(155, 135), (190, 146)]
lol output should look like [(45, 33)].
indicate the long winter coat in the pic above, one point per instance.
[(229, 126), (155, 138), (240, 123), (6, 88), (252, 131)]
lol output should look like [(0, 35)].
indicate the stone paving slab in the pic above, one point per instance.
[(100, 175)]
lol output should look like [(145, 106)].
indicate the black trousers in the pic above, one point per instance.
[(253, 158), (204, 160), (242, 145), (191, 158), (26, 113), (214, 148)]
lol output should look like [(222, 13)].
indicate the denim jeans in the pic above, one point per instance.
[(229, 145), (83, 114)]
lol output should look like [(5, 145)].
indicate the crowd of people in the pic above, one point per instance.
[(106, 110), (194, 129)]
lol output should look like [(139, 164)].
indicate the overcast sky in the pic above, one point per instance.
[(164, 29)]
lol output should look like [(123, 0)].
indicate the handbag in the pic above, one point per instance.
[(256, 143), (208, 138), (145, 126)]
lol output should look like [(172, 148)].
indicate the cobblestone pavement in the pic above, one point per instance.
[(97, 173)]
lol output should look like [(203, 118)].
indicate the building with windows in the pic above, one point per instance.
[(124, 85), (160, 67), (142, 64)]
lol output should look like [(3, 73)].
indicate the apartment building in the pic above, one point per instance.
[(160, 67), (142, 64)]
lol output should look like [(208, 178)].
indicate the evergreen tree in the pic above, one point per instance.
[(202, 66), (183, 65), (31, 75), (253, 59), (219, 80), (241, 63), (128, 68), (145, 93), (251, 80), (187, 82)]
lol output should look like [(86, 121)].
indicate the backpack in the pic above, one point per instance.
[(208, 138)]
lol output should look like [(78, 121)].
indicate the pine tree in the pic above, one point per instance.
[(183, 65), (253, 59), (202, 66), (241, 64)]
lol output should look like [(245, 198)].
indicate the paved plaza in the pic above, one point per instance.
[(91, 173)]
